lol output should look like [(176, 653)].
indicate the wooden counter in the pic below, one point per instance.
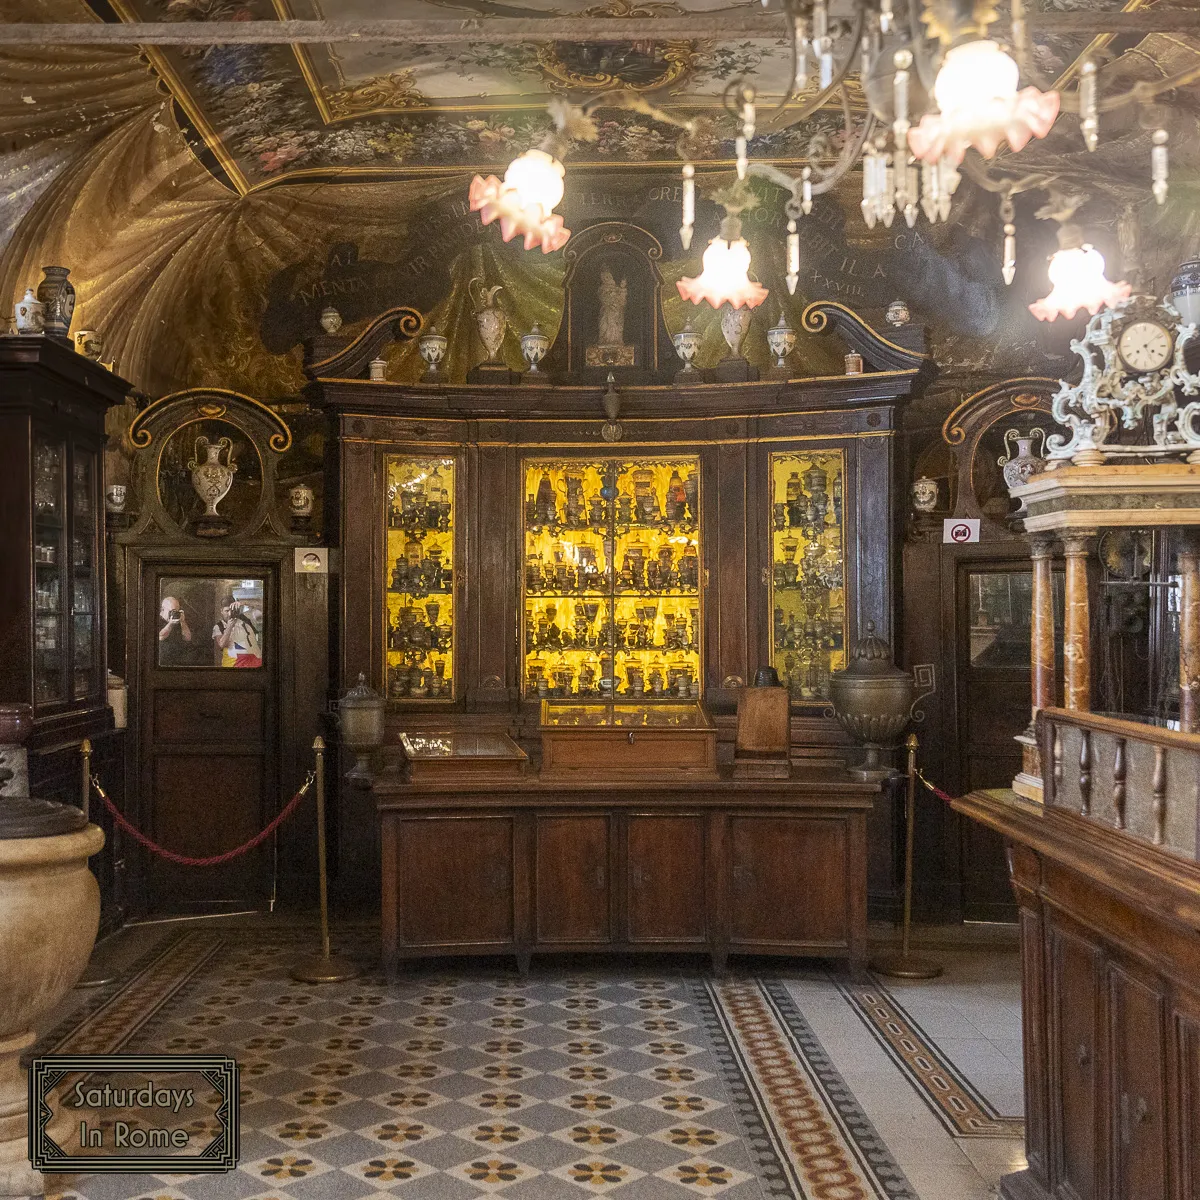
[(716, 866), (1110, 961)]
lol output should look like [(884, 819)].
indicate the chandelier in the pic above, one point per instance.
[(943, 95)]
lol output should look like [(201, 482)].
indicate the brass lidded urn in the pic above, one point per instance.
[(872, 699)]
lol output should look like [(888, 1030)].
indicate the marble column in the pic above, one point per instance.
[(1189, 634), (1077, 645), (1041, 626)]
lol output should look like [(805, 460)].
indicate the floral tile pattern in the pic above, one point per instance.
[(652, 1087)]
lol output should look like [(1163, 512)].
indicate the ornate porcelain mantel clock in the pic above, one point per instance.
[(1133, 362)]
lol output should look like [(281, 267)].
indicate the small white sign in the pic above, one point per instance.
[(312, 560), (960, 530)]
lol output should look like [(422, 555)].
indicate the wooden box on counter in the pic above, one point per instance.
[(458, 756), (653, 741)]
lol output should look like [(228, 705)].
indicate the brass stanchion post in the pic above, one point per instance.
[(92, 976), (325, 967), (905, 965)]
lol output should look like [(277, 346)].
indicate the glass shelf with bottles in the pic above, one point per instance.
[(611, 601), (419, 582), (807, 570)]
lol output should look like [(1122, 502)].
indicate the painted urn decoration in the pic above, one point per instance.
[(490, 320), (57, 294), (212, 480)]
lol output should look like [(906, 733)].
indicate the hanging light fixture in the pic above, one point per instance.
[(725, 278), (524, 202), (979, 105), (1077, 279)]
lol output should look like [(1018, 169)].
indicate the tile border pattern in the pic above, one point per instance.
[(961, 1108)]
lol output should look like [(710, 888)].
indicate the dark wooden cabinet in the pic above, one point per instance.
[(528, 868), (1111, 995), (667, 860)]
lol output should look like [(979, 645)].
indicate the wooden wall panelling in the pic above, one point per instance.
[(728, 562), (491, 600), (1184, 1073)]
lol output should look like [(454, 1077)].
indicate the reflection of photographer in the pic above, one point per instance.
[(237, 635), (175, 623)]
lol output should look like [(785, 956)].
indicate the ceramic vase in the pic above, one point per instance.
[(115, 496), (687, 345), (490, 321), (534, 345), (1018, 468), (30, 314), (212, 480), (1185, 291), (734, 324), (331, 320), (897, 314), (432, 347), (57, 293), (89, 343), (924, 494), (300, 500), (781, 339)]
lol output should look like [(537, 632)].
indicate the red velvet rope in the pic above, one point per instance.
[(937, 791), (213, 859)]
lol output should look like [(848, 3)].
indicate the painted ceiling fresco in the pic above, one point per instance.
[(260, 115)]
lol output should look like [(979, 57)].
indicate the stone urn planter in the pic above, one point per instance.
[(49, 915)]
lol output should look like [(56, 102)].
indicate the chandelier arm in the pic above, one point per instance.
[(973, 168), (617, 98), (921, 54), (821, 98), (1144, 91), (833, 175)]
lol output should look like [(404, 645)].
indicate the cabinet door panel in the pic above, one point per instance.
[(1138, 1059), (666, 879), (572, 880), (1187, 1032), (788, 881), (455, 881), (1074, 986)]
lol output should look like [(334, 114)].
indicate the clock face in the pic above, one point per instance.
[(1145, 346)]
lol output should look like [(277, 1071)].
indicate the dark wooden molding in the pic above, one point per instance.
[(396, 324), (879, 352)]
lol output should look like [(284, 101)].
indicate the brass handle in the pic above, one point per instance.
[(1083, 1055), (1141, 1111), (631, 737)]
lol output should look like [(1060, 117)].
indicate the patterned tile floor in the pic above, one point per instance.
[(590, 1081)]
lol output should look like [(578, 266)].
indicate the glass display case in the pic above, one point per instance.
[(66, 580), (807, 573), (419, 577), (612, 578), (456, 755)]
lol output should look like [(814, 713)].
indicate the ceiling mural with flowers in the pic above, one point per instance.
[(210, 202)]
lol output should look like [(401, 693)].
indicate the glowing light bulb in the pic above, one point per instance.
[(1077, 281), (725, 278), (979, 105), (523, 203)]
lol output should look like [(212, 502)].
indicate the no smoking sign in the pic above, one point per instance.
[(960, 529)]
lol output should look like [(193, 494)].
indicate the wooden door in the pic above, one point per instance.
[(1138, 1067), (572, 880), (454, 881), (1076, 967), (208, 729), (788, 882), (992, 669), (665, 875)]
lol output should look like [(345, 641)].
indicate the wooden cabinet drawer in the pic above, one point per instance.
[(665, 874), (454, 881), (208, 716), (572, 886)]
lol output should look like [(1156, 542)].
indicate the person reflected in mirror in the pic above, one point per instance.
[(174, 634), (237, 635)]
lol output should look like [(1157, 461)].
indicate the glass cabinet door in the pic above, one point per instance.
[(419, 583), (85, 636), (611, 585), (49, 557), (807, 574)]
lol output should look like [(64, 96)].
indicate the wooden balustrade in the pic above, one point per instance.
[(1136, 778)]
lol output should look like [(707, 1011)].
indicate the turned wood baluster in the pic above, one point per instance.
[(1041, 627), (1077, 650), (1058, 758), (1119, 784), (1159, 784), (1189, 635), (1085, 772)]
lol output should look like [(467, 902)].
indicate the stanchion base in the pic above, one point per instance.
[(319, 969), (905, 966)]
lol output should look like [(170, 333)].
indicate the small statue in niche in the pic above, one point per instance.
[(610, 349)]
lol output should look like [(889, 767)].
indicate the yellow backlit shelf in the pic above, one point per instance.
[(611, 596), (808, 570), (419, 579)]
